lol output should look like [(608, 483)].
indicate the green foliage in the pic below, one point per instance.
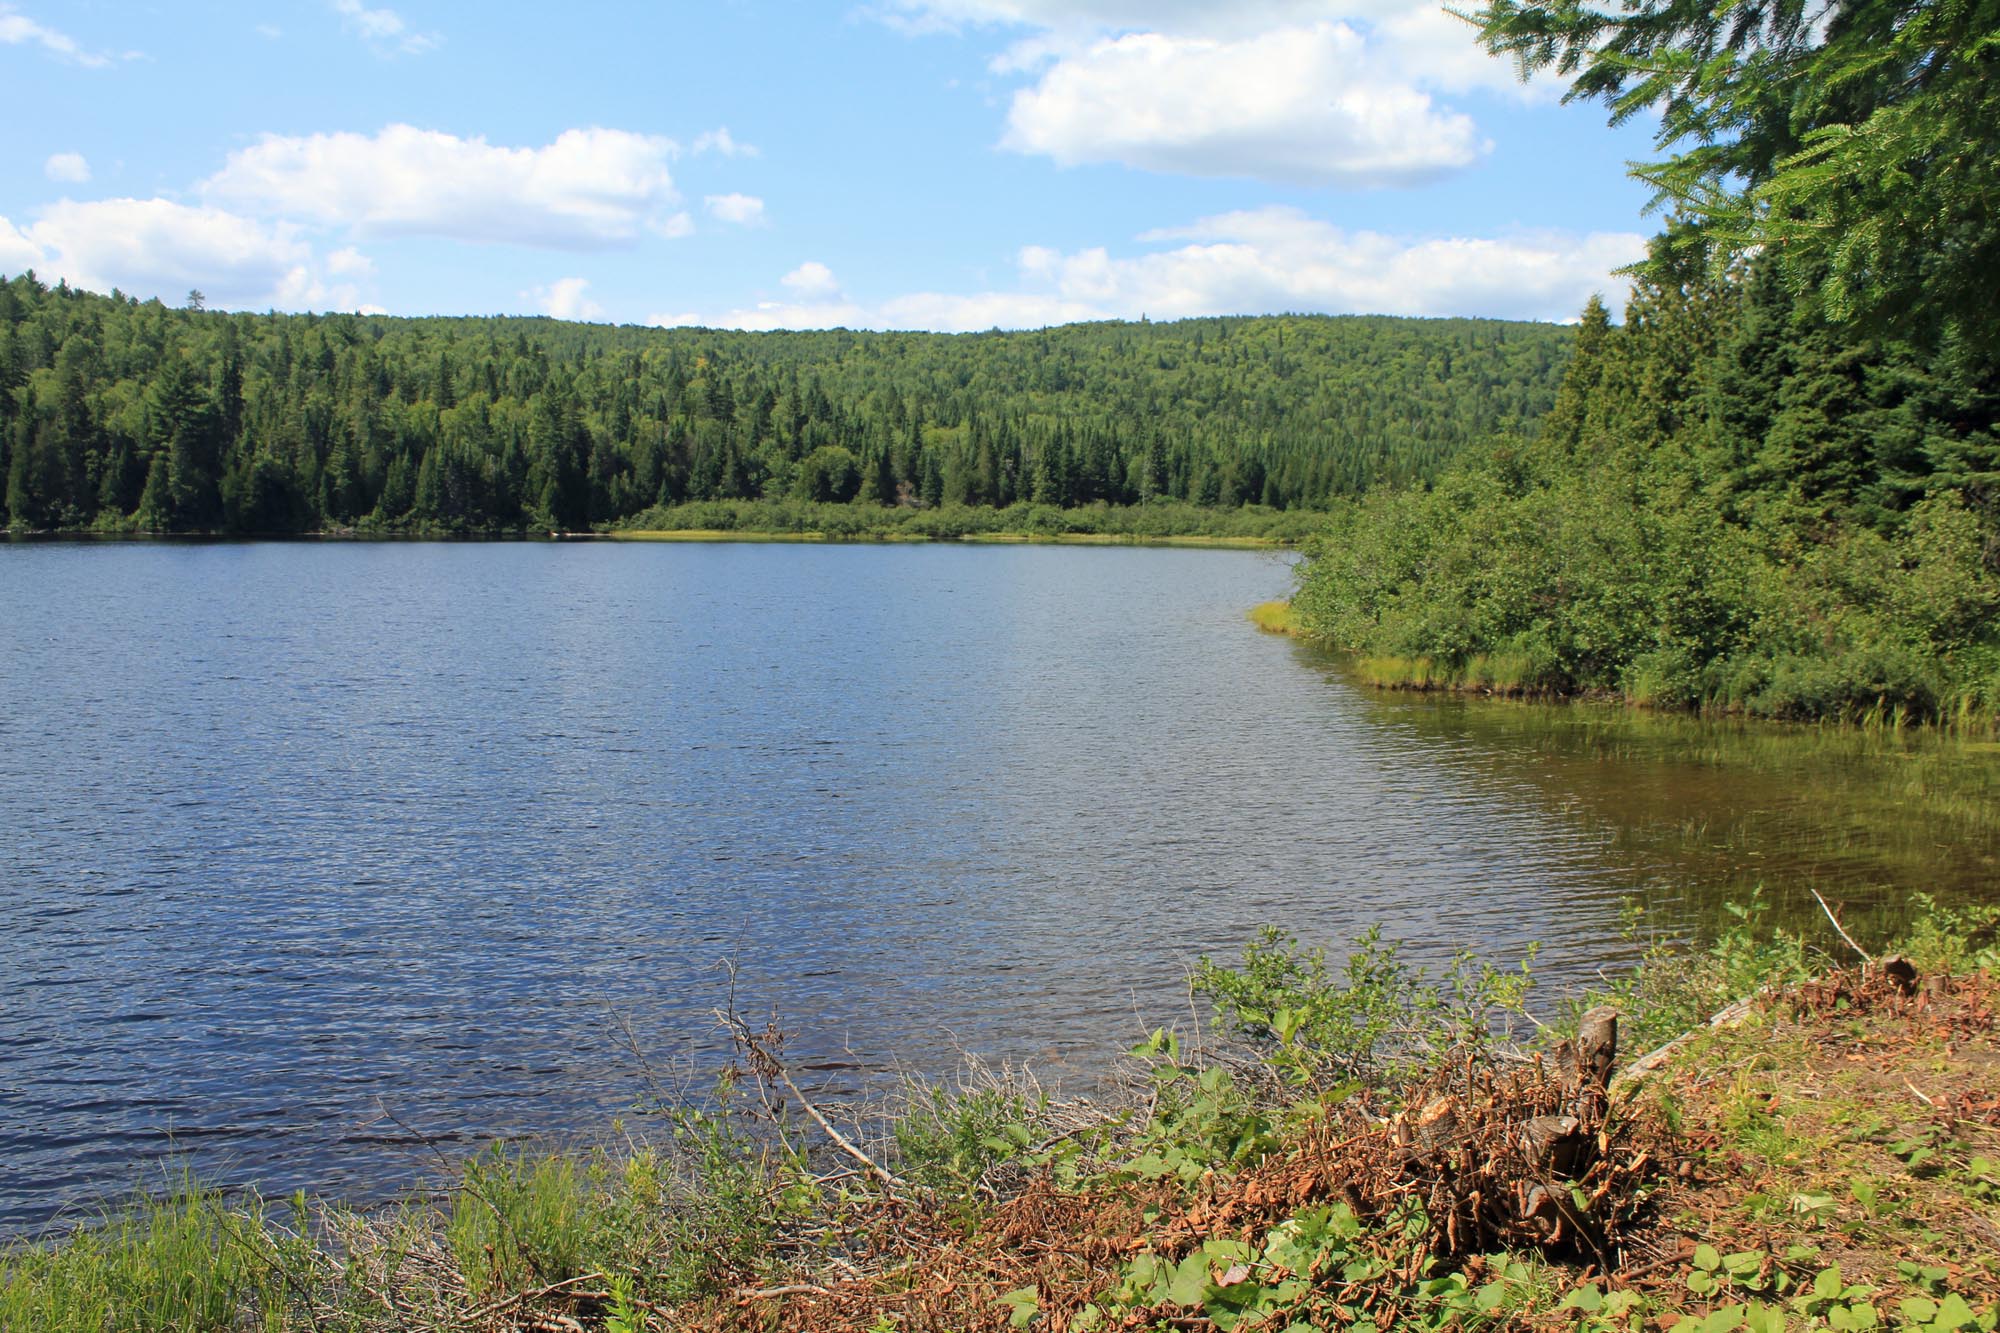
[(185, 1262), (948, 1139), (1202, 1119), (1322, 1268), (1161, 520), (1730, 508), (1857, 144), (1372, 1020), (1676, 988), (116, 415)]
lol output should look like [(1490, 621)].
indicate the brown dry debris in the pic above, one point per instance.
[(1488, 1148), (1488, 1152), (1842, 1124)]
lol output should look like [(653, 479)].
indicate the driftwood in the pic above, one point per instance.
[(1727, 1017)]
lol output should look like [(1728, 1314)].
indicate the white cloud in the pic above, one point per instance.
[(1295, 104), (1281, 259), (1317, 92), (157, 247), (684, 319), (70, 167), (350, 262), (18, 253), (745, 210), (767, 315), (984, 310), (270, 32), (1094, 17), (588, 189), (719, 140), (1251, 262), (564, 299), (17, 29), (811, 281), (384, 29), (675, 225)]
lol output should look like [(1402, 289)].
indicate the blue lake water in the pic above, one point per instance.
[(313, 851)]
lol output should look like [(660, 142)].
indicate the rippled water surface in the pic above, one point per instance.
[(311, 850)]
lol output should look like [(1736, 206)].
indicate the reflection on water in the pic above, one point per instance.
[(1699, 806), (314, 848)]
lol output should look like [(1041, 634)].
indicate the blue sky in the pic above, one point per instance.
[(944, 164)]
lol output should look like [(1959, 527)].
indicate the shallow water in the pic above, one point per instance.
[(317, 851)]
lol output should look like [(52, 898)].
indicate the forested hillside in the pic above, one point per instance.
[(118, 415), (1776, 486)]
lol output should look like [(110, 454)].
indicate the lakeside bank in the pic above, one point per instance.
[(1349, 1149)]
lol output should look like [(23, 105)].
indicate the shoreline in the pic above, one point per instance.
[(682, 535), (697, 535), (1234, 1201)]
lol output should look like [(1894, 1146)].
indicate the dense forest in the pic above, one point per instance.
[(122, 415), (1775, 486)]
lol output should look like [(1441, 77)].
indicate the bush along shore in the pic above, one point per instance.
[(1164, 522), (1808, 1139)]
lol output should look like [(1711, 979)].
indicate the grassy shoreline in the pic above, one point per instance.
[(967, 539), (1504, 676), (1285, 1174)]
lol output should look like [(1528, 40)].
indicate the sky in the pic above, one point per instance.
[(903, 164)]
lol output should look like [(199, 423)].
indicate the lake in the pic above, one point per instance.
[(318, 853)]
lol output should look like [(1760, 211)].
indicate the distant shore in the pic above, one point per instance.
[(970, 538)]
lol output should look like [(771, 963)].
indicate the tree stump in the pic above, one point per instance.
[(1901, 972), (1555, 1145), (1597, 1048), (1437, 1128)]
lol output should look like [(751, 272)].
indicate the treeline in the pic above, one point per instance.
[(1736, 502), (121, 415), (1777, 486)]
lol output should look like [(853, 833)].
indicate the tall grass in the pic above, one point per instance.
[(1274, 618), (186, 1261)]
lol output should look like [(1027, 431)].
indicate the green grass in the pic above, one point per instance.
[(1158, 523), (1274, 618), (187, 1261)]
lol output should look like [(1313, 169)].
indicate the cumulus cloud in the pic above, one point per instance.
[(564, 299), (1187, 17), (1281, 259), (1249, 262), (719, 140), (745, 210), (384, 29), (588, 189), (158, 247), (350, 262), (68, 167), (1302, 92), (1293, 104), (811, 281), (18, 253)]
